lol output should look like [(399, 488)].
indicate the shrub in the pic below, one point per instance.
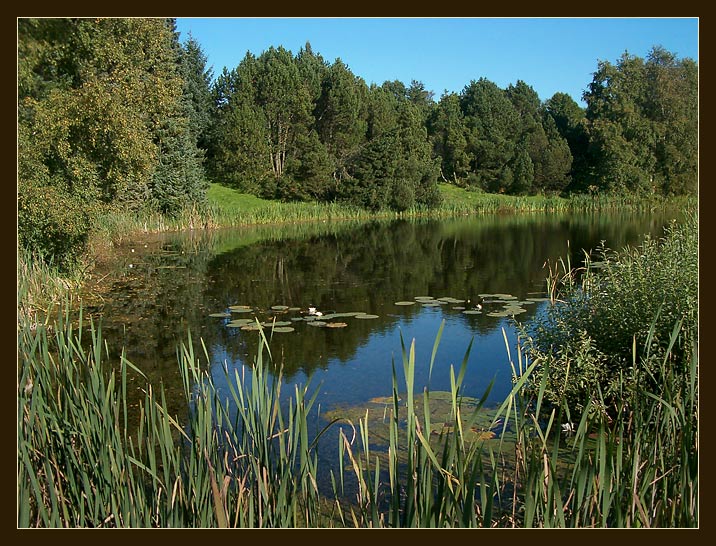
[(53, 224), (625, 306)]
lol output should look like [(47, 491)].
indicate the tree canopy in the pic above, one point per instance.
[(117, 113), (103, 122)]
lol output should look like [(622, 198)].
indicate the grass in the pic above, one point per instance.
[(81, 463), (227, 207), (42, 289)]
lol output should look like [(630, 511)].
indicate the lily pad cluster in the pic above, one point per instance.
[(271, 318), (491, 305)]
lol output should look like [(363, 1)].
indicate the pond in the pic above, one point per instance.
[(381, 279)]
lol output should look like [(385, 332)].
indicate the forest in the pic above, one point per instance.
[(119, 114)]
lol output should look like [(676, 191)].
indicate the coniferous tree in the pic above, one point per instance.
[(341, 115), (285, 103), (571, 123), (446, 127), (492, 129), (178, 180), (197, 90), (238, 153)]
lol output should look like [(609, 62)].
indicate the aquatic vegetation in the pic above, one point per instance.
[(421, 459)]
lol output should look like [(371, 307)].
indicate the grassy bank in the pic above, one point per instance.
[(227, 207)]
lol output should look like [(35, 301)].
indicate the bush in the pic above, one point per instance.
[(53, 224), (403, 195), (618, 313)]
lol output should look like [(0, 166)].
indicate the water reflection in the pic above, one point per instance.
[(178, 280)]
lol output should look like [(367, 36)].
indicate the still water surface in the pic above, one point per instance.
[(169, 285)]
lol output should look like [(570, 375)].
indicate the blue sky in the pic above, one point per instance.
[(550, 54)]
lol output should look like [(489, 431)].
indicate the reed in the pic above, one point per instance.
[(246, 459), (637, 469), (42, 289), (229, 208), (84, 462), (445, 481)]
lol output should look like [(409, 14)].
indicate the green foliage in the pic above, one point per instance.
[(571, 123), (102, 121), (55, 224), (643, 124), (197, 90), (612, 316), (340, 112), (297, 128), (635, 466), (448, 136)]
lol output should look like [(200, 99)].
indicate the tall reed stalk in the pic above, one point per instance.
[(82, 463)]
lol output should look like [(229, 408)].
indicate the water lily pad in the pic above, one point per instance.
[(278, 323), (458, 308), (294, 309), (471, 312), (451, 300), (239, 323), (279, 307), (431, 304), (251, 328), (336, 325), (423, 298), (220, 315), (241, 310), (366, 316), (318, 323), (383, 400), (538, 299), (498, 314), (404, 303), (283, 329), (474, 427), (239, 307)]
